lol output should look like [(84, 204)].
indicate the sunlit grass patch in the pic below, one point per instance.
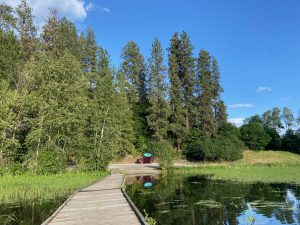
[(29, 187)]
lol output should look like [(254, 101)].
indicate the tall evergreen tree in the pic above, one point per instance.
[(218, 105), (220, 113), (158, 110), (50, 35), (126, 134), (102, 114), (27, 30), (177, 117), (89, 57), (7, 19), (68, 38), (186, 75), (10, 47), (134, 69), (206, 119)]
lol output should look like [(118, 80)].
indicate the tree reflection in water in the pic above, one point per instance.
[(200, 200)]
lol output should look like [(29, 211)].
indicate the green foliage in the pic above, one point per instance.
[(57, 88), (133, 69), (26, 30), (177, 116), (291, 141), (50, 162), (225, 146), (149, 219), (254, 119), (7, 19), (126, 135), (206, 120), (159, 108), (26, 187), (186, 74), (275, 142), (9, 55), (288, 118), (164, 151), (59, 97), (254, 136)]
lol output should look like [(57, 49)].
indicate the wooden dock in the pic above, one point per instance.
[(102, 203)]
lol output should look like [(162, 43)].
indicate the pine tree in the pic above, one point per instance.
[(89, 57), (218, 105), (126, 134), (158, 110), (220, 113), (27, 30), (103, 63), (177, 117), (9, 56), (186, 75), (68, 38), (50, 35), (134, 69), (7, 19), (102, 113), (206, 119)]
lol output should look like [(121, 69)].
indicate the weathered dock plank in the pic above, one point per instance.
[(98, 204)]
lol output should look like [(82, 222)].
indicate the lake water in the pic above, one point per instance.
[(28, 213), (199, 200)]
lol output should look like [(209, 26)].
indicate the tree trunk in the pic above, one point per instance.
[(103, 125)]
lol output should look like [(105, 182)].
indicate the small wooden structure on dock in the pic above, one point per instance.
[(102, 203)]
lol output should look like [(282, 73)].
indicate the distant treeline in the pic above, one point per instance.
[(263, 131), (62, 103)]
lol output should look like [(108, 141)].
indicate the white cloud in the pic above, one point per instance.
[(105, 10), (236, 121), (240, 105), (74, 10), (263, 89), (91, 7)]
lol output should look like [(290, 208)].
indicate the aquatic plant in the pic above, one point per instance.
[(149, 219)]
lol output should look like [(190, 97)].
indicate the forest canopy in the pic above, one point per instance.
[(63, 104)]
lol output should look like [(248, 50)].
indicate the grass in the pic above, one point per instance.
[(263, 166), (28, 187), (269, 157)]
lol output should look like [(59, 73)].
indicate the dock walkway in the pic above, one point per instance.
[(102, 203)]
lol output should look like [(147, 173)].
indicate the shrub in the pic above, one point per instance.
[(275, 142), (50, 162), (291, 142), (225, 146), (164, 151), (254, 136)]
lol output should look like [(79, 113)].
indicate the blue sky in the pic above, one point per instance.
[(256, 42)]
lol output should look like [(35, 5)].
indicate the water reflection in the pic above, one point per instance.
[(28, 213), (199, 200)]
